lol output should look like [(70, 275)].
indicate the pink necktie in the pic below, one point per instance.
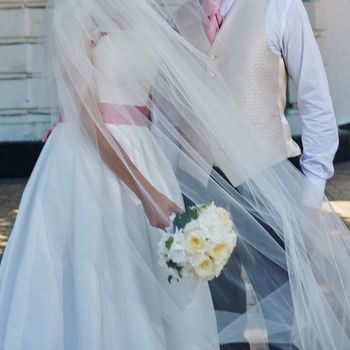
[(213, 18)]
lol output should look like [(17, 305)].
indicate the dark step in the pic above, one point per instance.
[(343, 153), (17, 159)]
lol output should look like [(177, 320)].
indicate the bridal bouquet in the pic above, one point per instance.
[(200, 243)]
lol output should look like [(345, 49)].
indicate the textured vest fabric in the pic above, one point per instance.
[(255, 75)]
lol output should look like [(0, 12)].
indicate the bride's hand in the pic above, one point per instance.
[(158, 209)]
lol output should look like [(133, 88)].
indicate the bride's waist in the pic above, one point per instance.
[(111, 114), (120, 114)]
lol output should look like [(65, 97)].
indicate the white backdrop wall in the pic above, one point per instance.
[(337, 36), (21, 120)]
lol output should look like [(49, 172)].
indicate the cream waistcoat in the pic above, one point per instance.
[(255, 75)]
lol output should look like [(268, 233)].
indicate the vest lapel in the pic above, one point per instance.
[(220, 39), (191, 27)]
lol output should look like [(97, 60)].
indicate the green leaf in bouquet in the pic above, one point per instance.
[(181, 220), (204, 206), (173, 265), (192, 213), (171, 278), (169, 242)]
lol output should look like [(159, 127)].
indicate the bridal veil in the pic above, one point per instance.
[(199, 125)]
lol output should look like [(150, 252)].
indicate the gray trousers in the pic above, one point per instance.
[(229, 294)]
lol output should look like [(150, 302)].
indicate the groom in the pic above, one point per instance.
[(253, 44)]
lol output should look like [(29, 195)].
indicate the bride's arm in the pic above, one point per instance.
[(157, 206), (80, 85)]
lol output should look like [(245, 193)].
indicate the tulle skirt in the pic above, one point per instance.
[(80, 270)]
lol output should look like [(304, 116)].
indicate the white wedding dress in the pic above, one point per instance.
[(70, 280)]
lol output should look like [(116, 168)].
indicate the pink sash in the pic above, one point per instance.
[(115, 114), (124, 115)]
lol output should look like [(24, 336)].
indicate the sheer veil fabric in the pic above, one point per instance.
[(202, 126)]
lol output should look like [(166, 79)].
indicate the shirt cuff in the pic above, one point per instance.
[(313, 192)]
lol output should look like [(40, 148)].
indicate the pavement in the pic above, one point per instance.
[(338, 191), (10, 195)]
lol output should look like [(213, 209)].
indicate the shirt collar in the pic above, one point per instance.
[(225, 7)]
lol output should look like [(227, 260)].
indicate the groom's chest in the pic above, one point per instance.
[(241, 42)]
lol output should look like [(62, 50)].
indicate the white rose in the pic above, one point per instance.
[(220, 251), (178, 257), (174, 273), (216, 218), (208, 221), (177, 251), (179, 240), (205, 269), (209, 209), (231, 240), (195, 242), (192, 226), (218, 267), (189, 273)]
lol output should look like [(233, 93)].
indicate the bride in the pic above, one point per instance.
[(81, 268)]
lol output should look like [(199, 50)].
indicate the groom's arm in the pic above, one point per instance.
[(319, 127)]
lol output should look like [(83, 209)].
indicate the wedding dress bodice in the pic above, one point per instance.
[(125, 69)]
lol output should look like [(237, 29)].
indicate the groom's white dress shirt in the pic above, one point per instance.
[(290, 36)]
